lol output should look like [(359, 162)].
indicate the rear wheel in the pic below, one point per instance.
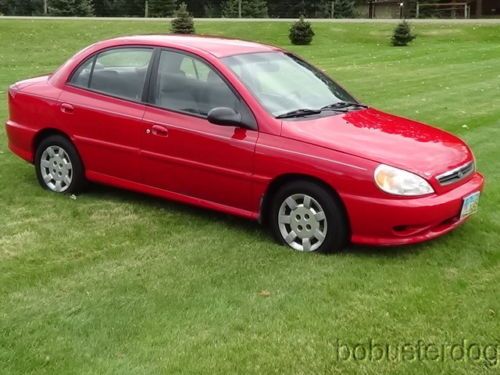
[(307, 217), (58, 166)]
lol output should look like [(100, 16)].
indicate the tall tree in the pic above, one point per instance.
[(80, 8), (119, 8), (21, 7), (230, 9), (255, 8), (162, 8), (296, 8), (344, 9), (103, 8), (249, 8)]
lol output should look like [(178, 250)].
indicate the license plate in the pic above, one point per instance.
[(470, 204)]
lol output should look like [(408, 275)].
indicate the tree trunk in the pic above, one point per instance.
[(479, 8)]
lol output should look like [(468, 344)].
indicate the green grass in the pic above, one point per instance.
[(117, 282)]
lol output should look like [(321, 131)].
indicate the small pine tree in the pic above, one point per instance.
[(344, 9), (183, 22), (162, 8), (402, 35), (301, 32), (78, 8)]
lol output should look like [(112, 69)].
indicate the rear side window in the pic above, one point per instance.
[(81, 76), (118, 72)]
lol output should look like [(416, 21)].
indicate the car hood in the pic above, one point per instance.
[(383, 138)]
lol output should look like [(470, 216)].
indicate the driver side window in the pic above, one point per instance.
[(186, 84)]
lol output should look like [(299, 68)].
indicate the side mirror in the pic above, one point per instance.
[(224, 116)]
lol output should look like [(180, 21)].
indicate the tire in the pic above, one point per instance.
[(318, 221), (58, 166)]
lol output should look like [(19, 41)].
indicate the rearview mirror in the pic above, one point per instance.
[(224, 116)]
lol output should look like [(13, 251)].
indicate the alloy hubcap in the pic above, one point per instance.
[(302, 222), (56, 169)]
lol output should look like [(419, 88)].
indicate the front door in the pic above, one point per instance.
[(182, 151)]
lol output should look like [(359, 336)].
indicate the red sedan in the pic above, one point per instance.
[(246, 129)]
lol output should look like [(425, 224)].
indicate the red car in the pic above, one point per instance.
[(246, 129)]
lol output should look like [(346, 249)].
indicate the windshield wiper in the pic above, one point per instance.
[(338, 106), (342, 105), (299, 113)]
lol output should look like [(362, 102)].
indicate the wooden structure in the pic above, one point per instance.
[(485, 8), (453, 7), (389, 8), (421, 8)]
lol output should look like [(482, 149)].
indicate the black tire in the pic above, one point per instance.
[(337, 231), (78, 181)]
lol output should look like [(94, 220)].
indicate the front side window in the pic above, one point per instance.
[(186, 84), (283, 83), (119, 72)]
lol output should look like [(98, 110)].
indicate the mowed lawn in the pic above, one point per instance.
[(120, 283)]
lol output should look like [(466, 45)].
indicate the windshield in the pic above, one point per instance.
[(283, 83)]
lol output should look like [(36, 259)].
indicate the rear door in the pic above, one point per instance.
[(102, 107), (182, 151)]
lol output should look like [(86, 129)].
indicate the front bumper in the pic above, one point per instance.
[(393, 221)]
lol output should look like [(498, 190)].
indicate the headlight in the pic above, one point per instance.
[(397, 181)]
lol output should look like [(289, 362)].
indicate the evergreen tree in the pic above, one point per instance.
[(80, 8), (209, 10), (162, 8), (119, 8), (344, 9), (301, 32), (21, 7), (254, 8), (132, 8), (402, 35), (230, 9), (183, 22), (249, 8), (199, 8), (296, 8), (103, 8)]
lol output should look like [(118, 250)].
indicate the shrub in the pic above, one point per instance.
[(183, 22), (402, 35), (301, 32)]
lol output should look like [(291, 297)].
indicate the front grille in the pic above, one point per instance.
[(456, 174)]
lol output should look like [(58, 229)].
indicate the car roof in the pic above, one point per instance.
[(217, 46)]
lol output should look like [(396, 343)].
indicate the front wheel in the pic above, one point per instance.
[(58, 166), (307, 217)]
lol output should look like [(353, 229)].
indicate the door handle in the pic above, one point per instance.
[(159, 130), (67, 108)]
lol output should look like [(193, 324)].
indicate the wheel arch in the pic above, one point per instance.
[(284, 179), (47, 132)]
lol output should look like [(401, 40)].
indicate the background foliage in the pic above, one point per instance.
[(199, 8)]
